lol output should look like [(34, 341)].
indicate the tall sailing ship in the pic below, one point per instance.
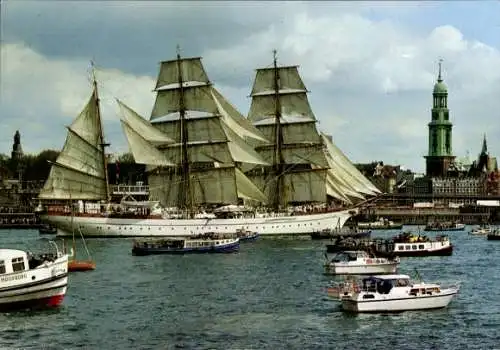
[(204, 158), (306, 166)]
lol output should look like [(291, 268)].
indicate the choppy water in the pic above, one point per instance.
[(269, 295)]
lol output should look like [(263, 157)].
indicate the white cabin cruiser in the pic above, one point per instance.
[(359, 262), (28, 281), (396, 293), (482, 230)]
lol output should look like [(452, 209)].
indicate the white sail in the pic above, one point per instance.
[(142, 126), (142, 150), (362, 183), (235, 120), (293, 105), (79, 171), (313, 170), (289, 79), (214, 139), (222, 185), (192, 73)]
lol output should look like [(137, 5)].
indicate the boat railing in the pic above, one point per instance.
[(130, 189)]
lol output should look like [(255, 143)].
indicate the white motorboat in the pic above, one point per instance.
[(28, 281), (482, 230), (396, 293), (359, 262)]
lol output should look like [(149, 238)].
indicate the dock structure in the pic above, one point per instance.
[(18, 218), (410, 209)]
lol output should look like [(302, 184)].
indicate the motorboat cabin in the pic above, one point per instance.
[(28, 281), (359, 262), (395, 293)]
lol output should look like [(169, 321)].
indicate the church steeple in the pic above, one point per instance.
[(440, 79), (484, 150), (440, 155)]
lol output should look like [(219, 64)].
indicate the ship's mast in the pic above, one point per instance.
[(103, 144), (185, 201), (278, 140)]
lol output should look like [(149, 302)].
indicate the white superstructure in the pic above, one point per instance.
[(395, 293)]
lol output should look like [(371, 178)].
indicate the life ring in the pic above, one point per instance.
[(369, 261)]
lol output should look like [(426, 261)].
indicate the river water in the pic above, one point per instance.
[(269, 295)]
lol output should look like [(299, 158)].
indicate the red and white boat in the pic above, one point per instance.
[(29, 282)]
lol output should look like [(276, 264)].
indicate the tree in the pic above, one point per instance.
[(126, 158), (37, 168)]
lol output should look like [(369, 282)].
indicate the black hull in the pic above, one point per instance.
[(385, 227), (493, 237), (443, 229), (43, 231), (141, 251), (354, 235), (334, 248), (419, 253)]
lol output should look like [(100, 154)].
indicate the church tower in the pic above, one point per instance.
[(439, 158), (17, 150), (17, 155)]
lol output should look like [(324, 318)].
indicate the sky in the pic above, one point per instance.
[(370, 66)]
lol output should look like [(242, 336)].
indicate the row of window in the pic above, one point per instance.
[(411, 247), (17, 265), (202, 227)]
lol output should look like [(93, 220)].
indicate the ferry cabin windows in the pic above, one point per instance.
[(17, 264), (2, 267)]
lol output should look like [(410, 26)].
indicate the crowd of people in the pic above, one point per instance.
[(13, 217)]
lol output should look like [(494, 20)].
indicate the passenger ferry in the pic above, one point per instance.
[(207, 243)]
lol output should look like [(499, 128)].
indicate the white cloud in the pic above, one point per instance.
[(40, 95), (346, 58), (370, 80)]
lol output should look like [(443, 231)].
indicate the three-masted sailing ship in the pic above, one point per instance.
[(306, 166), (202, 154)]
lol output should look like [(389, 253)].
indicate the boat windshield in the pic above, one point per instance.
[(383, 286), (345, 256)]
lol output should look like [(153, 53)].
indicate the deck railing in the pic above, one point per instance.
[(130, 189)]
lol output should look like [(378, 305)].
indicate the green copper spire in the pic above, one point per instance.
[(440, 153), (440, 87)]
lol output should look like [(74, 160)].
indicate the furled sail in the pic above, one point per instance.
[(306, 166), (210, 141), (79, 171)]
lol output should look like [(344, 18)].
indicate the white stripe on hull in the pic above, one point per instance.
[(403, 304), (41, 291), (372, 269), (130, 227)]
